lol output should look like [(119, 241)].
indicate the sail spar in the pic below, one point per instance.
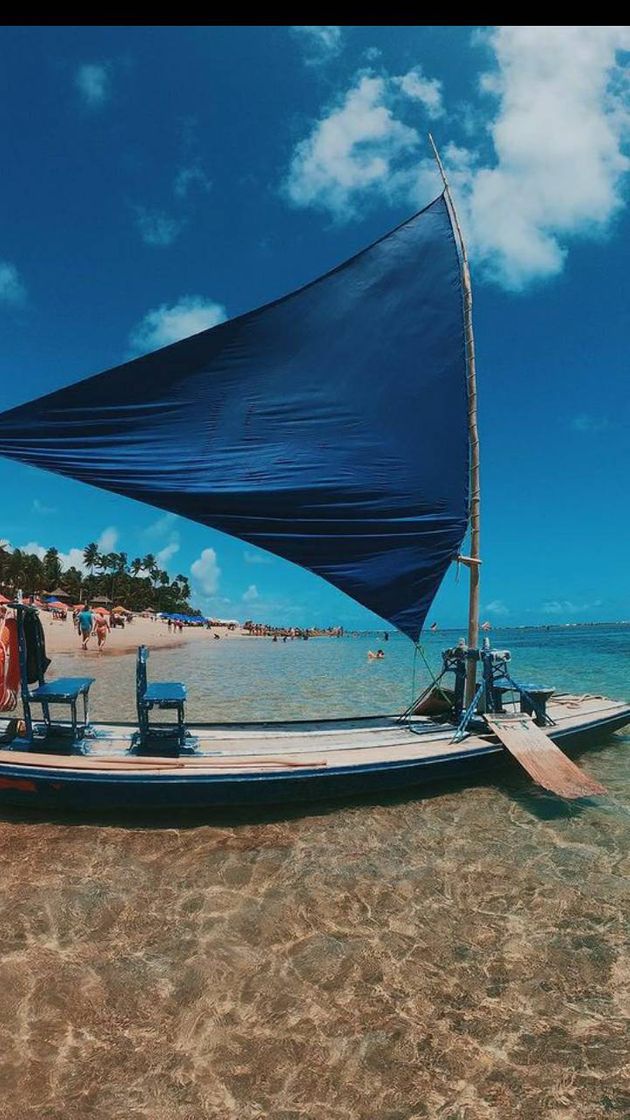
[(328, 427)]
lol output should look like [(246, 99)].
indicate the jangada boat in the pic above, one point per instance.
[(336, 428)]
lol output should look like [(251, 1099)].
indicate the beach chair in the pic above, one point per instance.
[(63, 691), (165, 695)]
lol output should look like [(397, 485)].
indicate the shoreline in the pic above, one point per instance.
[(62, 637)]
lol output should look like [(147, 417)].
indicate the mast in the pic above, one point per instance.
[(473, 561)]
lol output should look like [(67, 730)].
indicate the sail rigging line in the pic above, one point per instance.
[(434, 683), (473, 433)]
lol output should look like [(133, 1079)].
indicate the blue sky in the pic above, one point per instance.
[(159, 179)]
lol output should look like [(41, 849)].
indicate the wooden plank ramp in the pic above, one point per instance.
[(541, 758)]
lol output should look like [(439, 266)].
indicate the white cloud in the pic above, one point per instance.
[(162, 526), (164, 325), (33, 547), (39, 507), (549, 167), (428, 91), (12, 289), (497, 606), (562, 114), (157, 228), (321, 42), (165, 554), (108, 539), (587, 423), (350, 151), (206, 572), (257, 558), (251, 593), (73, 559), (565, 606), (93, 83), (189, 179)]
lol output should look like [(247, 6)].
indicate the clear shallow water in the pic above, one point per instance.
[(258, 678), (454, 956)]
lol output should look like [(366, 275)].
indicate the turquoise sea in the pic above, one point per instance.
[(460, 955)]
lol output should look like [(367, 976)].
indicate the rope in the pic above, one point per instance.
[(434, 682)]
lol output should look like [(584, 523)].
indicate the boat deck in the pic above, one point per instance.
[(322, 744)]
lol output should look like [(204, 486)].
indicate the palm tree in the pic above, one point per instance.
[(4, 560), (136, 566), (73, 580), (15, 568), (118, 566), (183, 587), (52, 567), (149, 565), (91, 556), (32, 574)]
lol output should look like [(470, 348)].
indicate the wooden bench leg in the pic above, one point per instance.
[(46, 715), (144, 725)]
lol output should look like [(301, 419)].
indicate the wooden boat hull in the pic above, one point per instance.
[(257, 765)]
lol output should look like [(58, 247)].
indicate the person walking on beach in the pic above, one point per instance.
[(85, 622), (101, 629)]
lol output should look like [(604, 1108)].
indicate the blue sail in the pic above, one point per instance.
[(328, 427)]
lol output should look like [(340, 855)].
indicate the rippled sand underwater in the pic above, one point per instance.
[(458, 955)]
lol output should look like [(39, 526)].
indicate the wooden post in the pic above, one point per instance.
[(473, 435)]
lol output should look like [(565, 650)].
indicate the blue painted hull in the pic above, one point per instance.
[(86, 790)]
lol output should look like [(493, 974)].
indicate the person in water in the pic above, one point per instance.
[(85, 624), (101, 629), (378, 656)]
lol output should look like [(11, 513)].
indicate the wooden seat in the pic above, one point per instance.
[(64, 690), (165, 695), (533, 697)]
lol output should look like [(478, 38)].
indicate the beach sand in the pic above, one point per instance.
[(62, 637)]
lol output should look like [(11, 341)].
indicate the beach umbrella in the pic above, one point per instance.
[(101, 610), (121, 610), (3, 599)]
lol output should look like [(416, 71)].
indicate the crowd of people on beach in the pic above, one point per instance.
[(289, 633)]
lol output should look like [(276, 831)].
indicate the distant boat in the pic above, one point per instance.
[(336, 428)]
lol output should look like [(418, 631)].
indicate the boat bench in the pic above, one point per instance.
[(165, 695), (533, 698), (64, 690)]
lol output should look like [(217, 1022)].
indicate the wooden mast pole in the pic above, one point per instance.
[(473, 561)]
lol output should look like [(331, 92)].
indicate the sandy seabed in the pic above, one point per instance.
[(453, 955), (458, 957)]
